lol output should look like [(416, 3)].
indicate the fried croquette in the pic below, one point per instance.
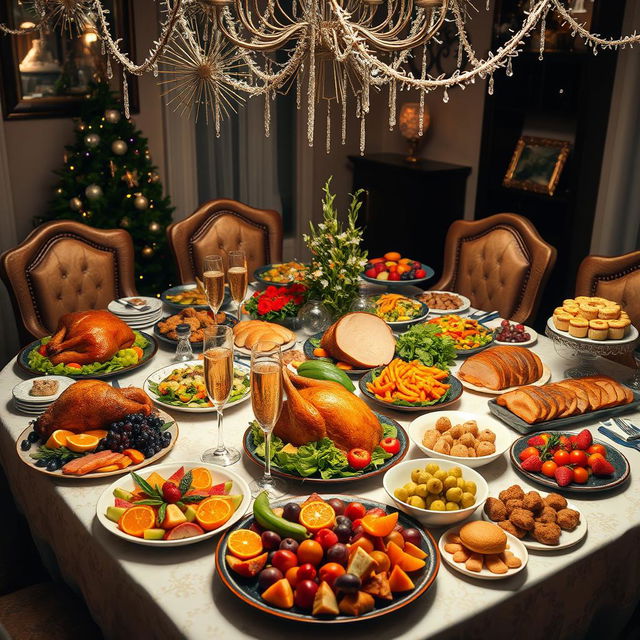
[(484, 448), (486, 435), (555, 501), (511, 528), (430, 437), (533, 502), (522, 519), (513, 504), (547, 533), (514, 492), (567, 519), (495, 509), (471, 426), (547, 515), (459, 450), (443, 424)]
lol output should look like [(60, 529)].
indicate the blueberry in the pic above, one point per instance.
[(52, 465), (33, 436), (41, 463), (25, 445), (149, 453)]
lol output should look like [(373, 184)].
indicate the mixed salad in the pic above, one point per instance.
[(392, 307), (425, 343), (285, 272), (465, 332)]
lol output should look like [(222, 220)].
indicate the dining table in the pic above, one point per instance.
[(134, 591)]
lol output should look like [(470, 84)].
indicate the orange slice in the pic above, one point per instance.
[(212, 513), (201, 478), (98, 433), (317, 515), (82, 442), (245, 544), (58, 438), (380, 525), (136, 519)]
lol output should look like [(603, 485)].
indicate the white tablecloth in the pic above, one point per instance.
[(138, 592)]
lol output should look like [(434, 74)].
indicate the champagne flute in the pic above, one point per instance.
[(266, 399), (213, 278), (238, 278), (217, 348)]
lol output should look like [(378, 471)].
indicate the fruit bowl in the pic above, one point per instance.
[(429, 273), (401, 474)]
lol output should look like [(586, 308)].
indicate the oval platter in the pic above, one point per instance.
[(186, 287), (229, 321)]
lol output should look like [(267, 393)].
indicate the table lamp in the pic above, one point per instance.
[(409, 122)]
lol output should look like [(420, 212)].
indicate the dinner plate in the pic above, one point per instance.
[(220, 474), (422, 315), (453, 394), (229, 321), (161, 374), (515, 546), (186, 287), (258, 273), (147, 353), (247, 591), (246, 353), (123, 312), (250, 450), (309, 346), (567, 538), (26, 458), (21, 390), (527, 343), (631, 336), (394, 284), (465, 353), (543, 379), (466, 303), (594, 484)]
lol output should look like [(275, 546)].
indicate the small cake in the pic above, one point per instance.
[(588, 311), (600, 302), (569, 302), (609, 313), (581, 299), (44, 387), (561, 321), (617, 329), (483, 537), (598, 329), (624, 316), (558, 310), (578, 327), (571, 309)]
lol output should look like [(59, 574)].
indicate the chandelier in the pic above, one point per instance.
[(214, 54)]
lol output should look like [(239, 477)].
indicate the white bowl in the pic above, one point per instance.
[(504, 436), (400, 474)]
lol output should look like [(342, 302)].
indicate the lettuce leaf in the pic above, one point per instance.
[(421, 343)]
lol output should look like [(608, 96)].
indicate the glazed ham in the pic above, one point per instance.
[(502, 367), (360, 339)]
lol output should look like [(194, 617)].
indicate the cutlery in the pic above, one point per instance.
[(630, 429), (617, 439), (133, 306), (115, 384), (484, 316)]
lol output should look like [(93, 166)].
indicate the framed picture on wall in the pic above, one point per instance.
[(47, 74), (537, 164)]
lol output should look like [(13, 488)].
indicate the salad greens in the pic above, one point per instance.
[(420, 342), (321, 458)]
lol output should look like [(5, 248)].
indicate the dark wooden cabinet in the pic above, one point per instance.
[(408, 207)]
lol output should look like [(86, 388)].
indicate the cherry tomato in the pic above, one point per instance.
[(355, 510), (358, 458), (528, 452), (561, 457), (74, 365), (292, 576), (598, 448), (578, 458), (305, 594), (592, 457), (549, 468), (330, 571), (390, 445), (326, 538), (284, 560), (310, 551), (580, 475), (306, 571)]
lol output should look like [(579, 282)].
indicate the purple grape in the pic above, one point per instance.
[(289, 544), (271, 540), (338, 553), (267, 577)]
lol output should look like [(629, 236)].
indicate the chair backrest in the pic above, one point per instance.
[(219, 226), (616, 278), (65, 266), (499, 262)]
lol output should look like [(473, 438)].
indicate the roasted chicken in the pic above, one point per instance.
[(91, 404), (88, 336), (315, 409)]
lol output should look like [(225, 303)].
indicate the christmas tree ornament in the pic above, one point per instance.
[(119, 147), (81, 127), (75, 204), (154, 227), (147, 251), (153, 176), (131, 178), (93, 192), (140, 202), (112, 168), (112, 116), (92, 140), (125, 222), (59, 191)]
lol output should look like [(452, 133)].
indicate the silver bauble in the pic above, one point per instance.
[(93, 192), (119, 147), (92, 140), (140, 202), (155, 227), (112, 116), (75, 204)]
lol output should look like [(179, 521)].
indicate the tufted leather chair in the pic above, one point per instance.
[(499, 262), (616, 278), (219, 226), (65, 266)]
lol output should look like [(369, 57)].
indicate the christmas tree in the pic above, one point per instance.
[(109, 181)]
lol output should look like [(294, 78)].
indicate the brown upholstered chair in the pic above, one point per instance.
[(219, 226), (65, 266), (499, 262), (616, 278)]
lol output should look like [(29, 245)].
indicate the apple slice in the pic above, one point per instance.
[(184, 530)]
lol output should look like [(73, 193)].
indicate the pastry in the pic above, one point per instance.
[(617, 329), (558, 310), (581, 299), (578, 327), (609, 313), (598, 329), (588, 311), (571, 309), (570, 301), (483, 537)]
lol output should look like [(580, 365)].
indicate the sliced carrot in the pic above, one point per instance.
[(320, 353)]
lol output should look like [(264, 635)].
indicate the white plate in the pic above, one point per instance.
[(567, 538), (631, 336), (220, 474), (504, 436), (161, 374), (122, 311), (543, 379), (246, 353), (466, 303), (21, 390), (526, 343), (515, 546)]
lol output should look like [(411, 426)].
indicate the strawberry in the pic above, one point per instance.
[(536, 441), (171, 493), (564, 476), (602, 467), (584, 440), (532, 463)]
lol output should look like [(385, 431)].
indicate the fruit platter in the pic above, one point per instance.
[(393, 270), (469, 336), (190, 295), (173, 504), (182, 387), (571, 462), (514, 333), (397, 310), (281, 274), (326, 559)]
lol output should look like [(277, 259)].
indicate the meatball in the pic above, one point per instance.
[(533, 502), (495, 509), (467, 440), (546, 533), (568, 519), (456, 431), (514, 492), (511, 528), (486, 435), (484, 448), (547, 515), (471, 426), (513, 504), (522, 518), (555, 501), (443, 424), (459, 450)]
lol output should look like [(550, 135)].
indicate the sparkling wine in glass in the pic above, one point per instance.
[(266, 399), (213, 279), (218, 375), (238, 278)]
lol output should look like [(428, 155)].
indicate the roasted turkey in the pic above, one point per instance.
[(315, 409), (88, 336), (91, 404)]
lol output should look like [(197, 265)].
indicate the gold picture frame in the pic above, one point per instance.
[(536, 164)]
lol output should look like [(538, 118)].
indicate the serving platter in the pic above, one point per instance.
[(403, 324), (527, 343), (632, 336), (593, 484), (258, 276), (229, 321), (246, 353), (147, 353), (187, 287), (247, 591), (312, 342), (543, 379), (29, 461), (466, 303), (453, 394), (394, 284), (250, 450)]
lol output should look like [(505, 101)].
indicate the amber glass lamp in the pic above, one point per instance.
[(409, 122)]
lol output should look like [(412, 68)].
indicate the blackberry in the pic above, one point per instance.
[(41, 463), (33, 437), (25, 445)]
